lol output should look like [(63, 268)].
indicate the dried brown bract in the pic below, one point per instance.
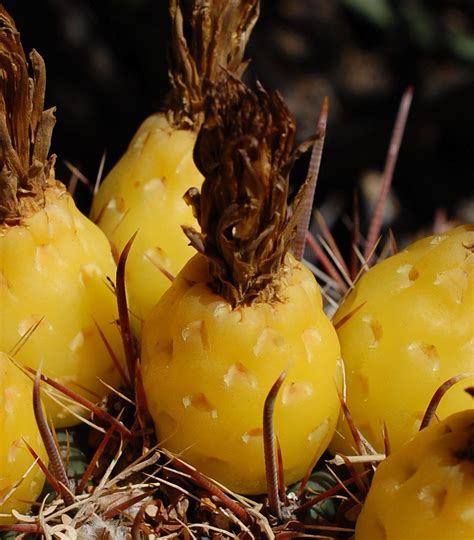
[(208, 36), (245, 145), (26, 171)]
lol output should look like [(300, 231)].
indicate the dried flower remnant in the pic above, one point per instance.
[(144, 191)]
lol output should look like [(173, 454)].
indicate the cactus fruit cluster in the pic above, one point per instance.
[(180, 332)]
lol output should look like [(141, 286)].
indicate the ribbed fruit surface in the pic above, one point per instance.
[(423, 491), (208, 369), (413, 331), (53, 272), (18, 424), (144, 193)]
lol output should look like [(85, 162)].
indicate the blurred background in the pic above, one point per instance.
[(107, 70)]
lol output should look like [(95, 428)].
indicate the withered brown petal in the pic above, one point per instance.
[(208, 37), (245, 142), (25, 130)]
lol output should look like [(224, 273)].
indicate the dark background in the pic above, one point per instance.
[(107, 70)]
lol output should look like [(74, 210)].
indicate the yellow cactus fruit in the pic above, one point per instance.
[(144, 191), (423, 491), (21, 480), (407, 327), (54, 262), (242, 310)]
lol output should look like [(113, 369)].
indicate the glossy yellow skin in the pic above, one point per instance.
[(144, 193), (53, 270), (17, 423), (207, 369), (415, 331), (424, 490)]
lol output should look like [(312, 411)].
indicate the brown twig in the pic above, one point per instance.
[(271, 469), (81, 400), (24, 528), (281, 476), (124, 317), (349, 316), (393, 242), (352, 427), (72, 184), (328, 236), (438, 395), (385, 251), (168, 275), (119, 508), (311, 181), (113, 356), (143, 413), (214, 490), (24, 338), (79, 175), (323, 496), (95, 458), (392, 155), (336, 261), (55, 460), (135, 531), (326, 263), (359, 479), (100, 172), (50, 477)]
